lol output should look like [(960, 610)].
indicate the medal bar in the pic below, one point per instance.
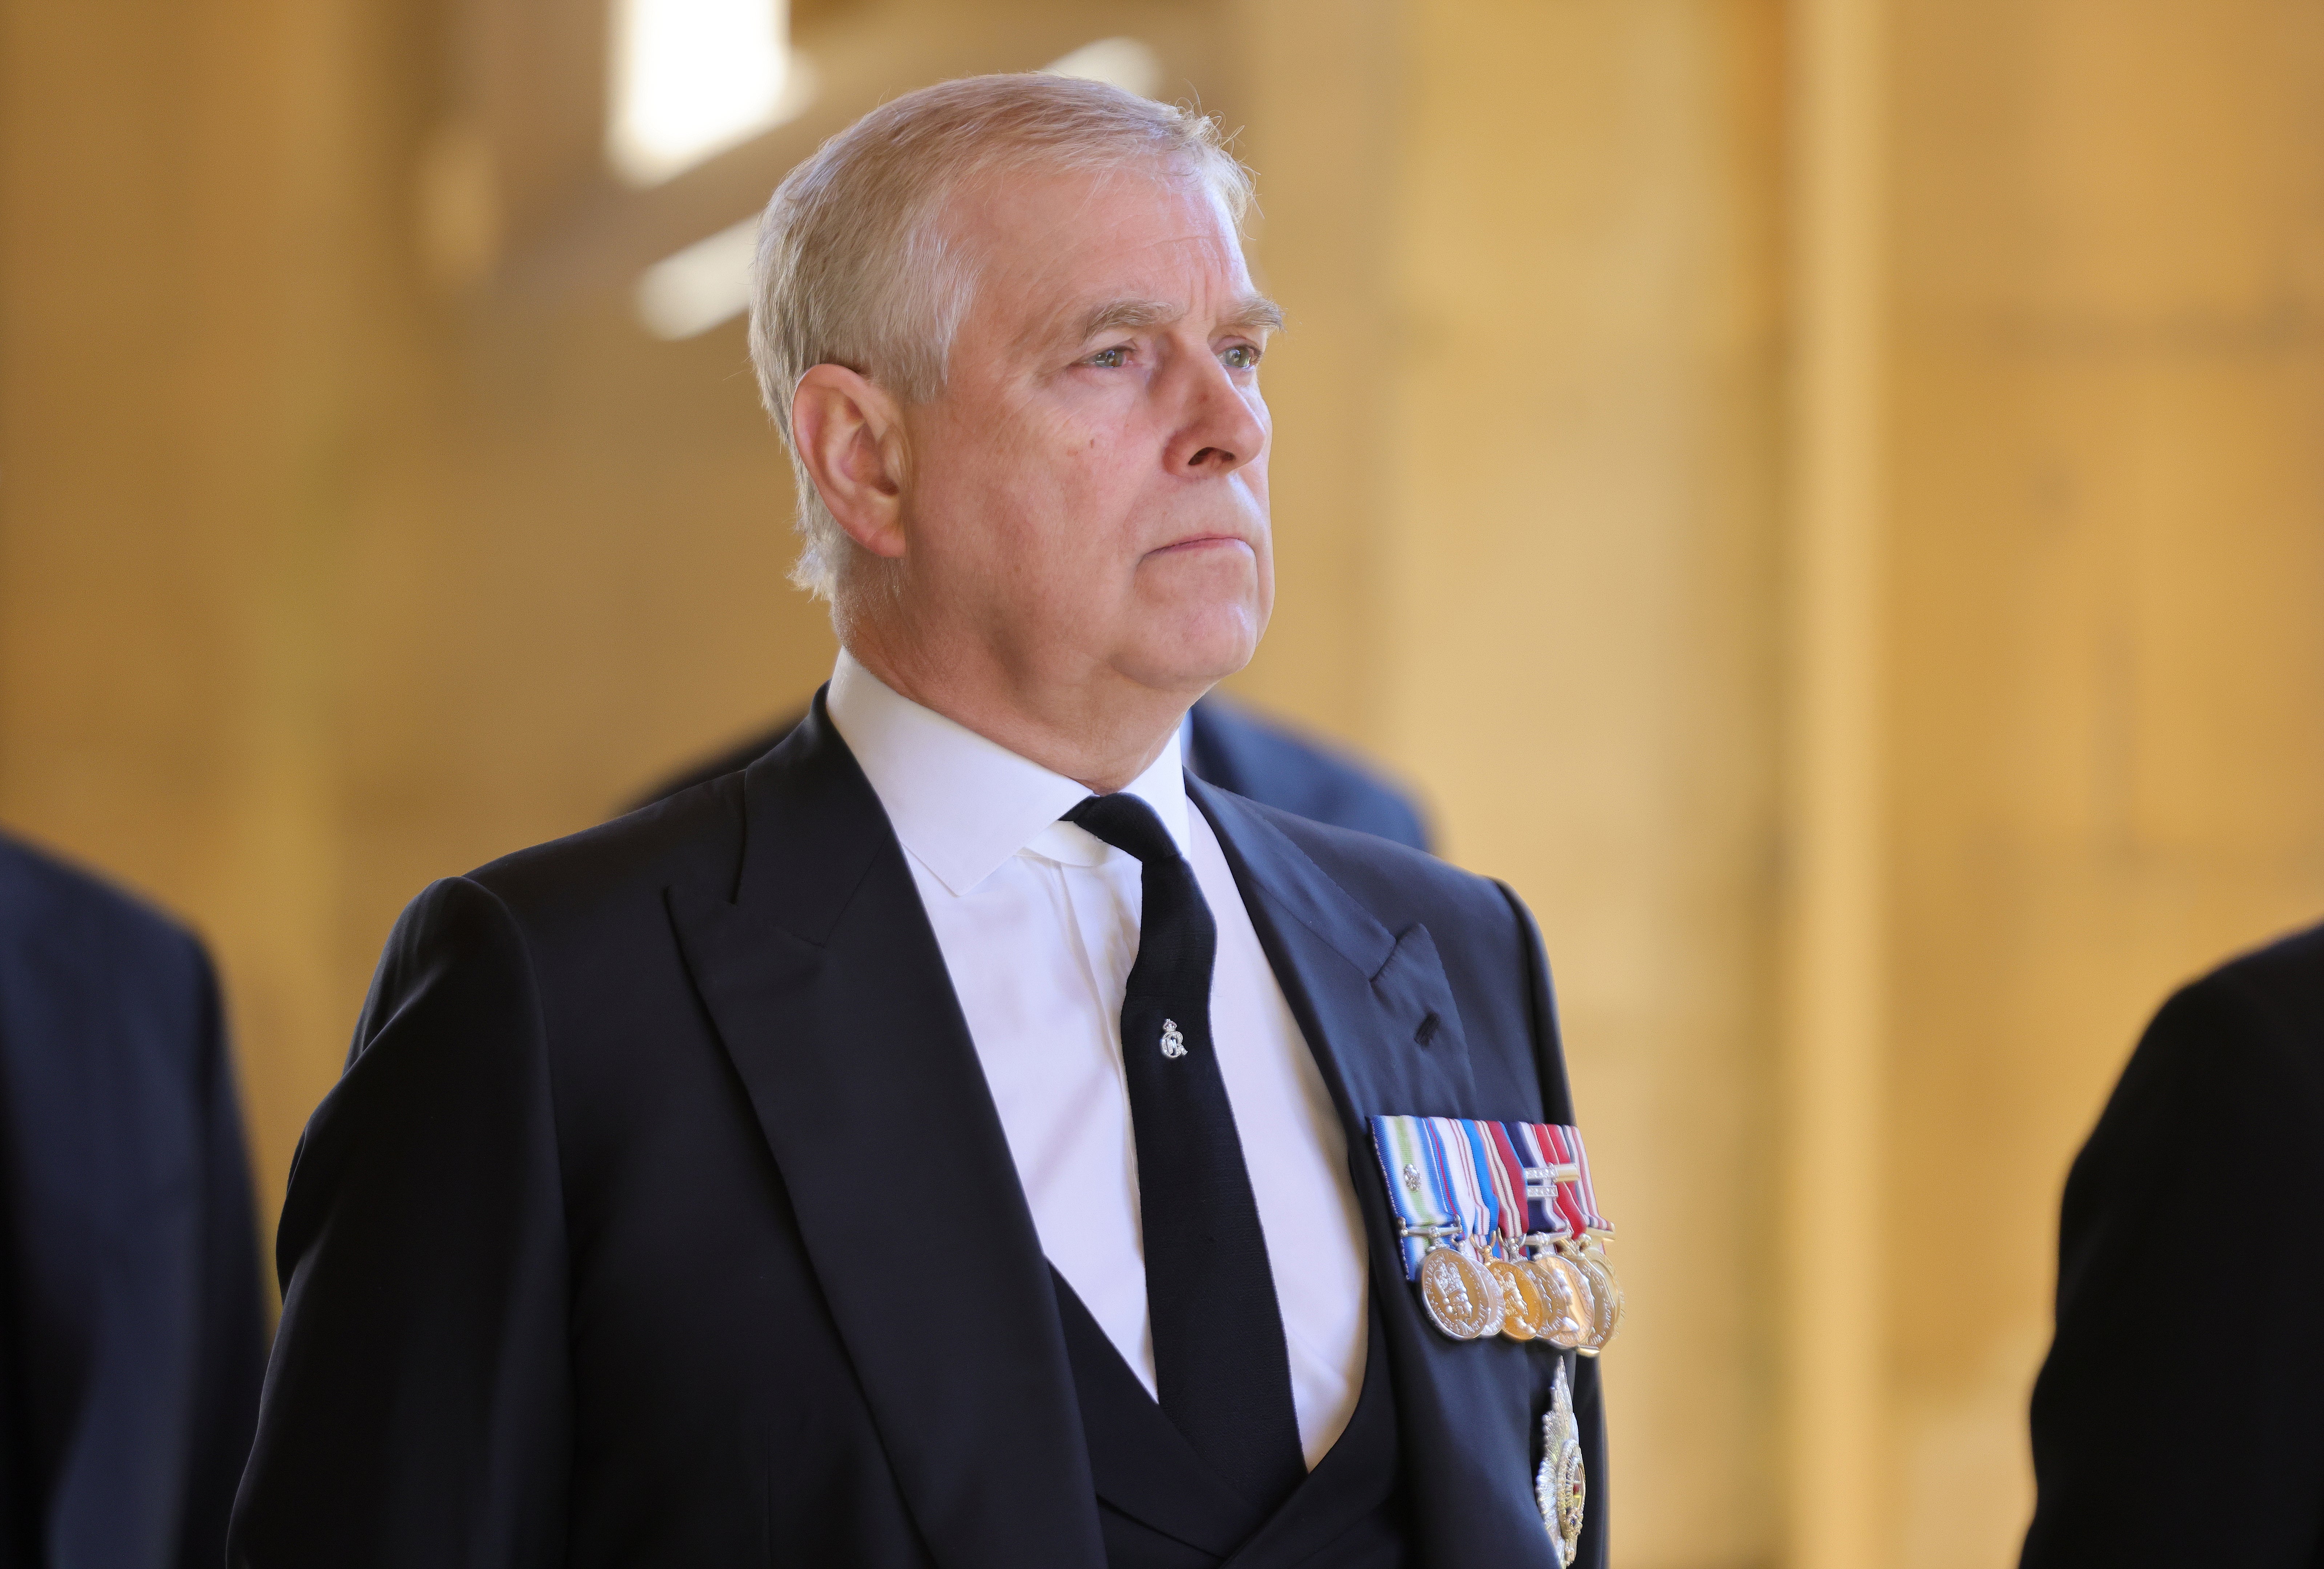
[(1502, 1236), (1501, 1230)]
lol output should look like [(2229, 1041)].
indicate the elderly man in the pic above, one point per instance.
[(947, 1142)]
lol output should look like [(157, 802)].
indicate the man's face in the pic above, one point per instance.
[(1089, 494)]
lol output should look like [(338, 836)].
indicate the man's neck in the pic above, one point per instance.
[(1101, 735)]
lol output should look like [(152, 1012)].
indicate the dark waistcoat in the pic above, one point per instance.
[(1162, 1507)]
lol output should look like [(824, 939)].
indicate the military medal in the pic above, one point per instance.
[(1500, 1229), (1559, 1294), (1455, 1143), (1456, 1293), (1525, 1312), (1581, 1248), (1605, 1293), (1560, 1487), (1572, 1315), (1524, 1306), (1501, 1233)]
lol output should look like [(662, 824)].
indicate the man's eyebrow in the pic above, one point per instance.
[(1251, 313), (1254, 313), (1127, 316)]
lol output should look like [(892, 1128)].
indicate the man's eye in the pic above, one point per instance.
[(1242, 357), (1113, 359)]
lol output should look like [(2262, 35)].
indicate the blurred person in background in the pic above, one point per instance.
[(133, 1327), (1221, 743), (2179, 1417), (944, 1141)]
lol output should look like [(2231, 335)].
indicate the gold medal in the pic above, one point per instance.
[(1562, 1487), (1524, 1308), (1460, 1298), (1565, 1296), (1595, 1247), (1605, 1293)]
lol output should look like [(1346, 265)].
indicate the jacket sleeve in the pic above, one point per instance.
[(417, 1407), (1557, 1106), (2177, 1417), (231, 1358)]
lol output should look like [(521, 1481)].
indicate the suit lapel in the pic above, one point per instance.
[(831, 996), (1377, 1011), (1363, 997)]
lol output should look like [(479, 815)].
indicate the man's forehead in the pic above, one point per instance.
[(1072, 251), (1197, 270)]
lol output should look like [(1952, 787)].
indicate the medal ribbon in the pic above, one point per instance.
[(1575, 1197), (1415, 1186), (1463, 1181), (1492, 1182), (1545, 1216), (1583, 1190), (1450, 1178), (1517, 1207)]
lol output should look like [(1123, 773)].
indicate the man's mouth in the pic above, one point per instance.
[(1201, 542)]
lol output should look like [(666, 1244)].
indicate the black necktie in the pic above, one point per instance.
[(1219, 1359)]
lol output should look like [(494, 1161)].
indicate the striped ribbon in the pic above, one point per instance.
[(1544, 1213), (1562, 1143), (1416, 1187), (1465, 1183), (1517, 1207), (1450, 1178)]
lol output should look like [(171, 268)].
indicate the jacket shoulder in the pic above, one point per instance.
[(2279, 987), (49, 904), (2258, 1017), (2234, 1059)]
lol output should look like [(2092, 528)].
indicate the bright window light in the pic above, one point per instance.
[(709, 282), (1125, 62), (693, 77)]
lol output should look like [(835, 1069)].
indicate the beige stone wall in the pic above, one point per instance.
[(317, 582), (1822, 498)]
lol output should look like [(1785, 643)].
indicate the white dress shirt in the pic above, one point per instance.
[(1038, 924)]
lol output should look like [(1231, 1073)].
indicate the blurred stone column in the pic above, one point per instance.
[(182, 260), (2104, 635), (1526, 448)]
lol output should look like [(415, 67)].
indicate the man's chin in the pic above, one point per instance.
[(1192, 654)]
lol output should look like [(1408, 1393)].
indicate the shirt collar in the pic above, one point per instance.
[(961, 805)]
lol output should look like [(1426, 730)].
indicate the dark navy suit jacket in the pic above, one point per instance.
[(2180, 1417), (131, 1319), (663, 1216), (1228, 746)]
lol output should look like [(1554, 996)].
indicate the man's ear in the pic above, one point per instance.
[(850, 434)]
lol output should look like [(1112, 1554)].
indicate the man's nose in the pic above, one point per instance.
[(1220, 431)]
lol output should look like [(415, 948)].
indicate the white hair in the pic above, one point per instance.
[(855, 267)]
